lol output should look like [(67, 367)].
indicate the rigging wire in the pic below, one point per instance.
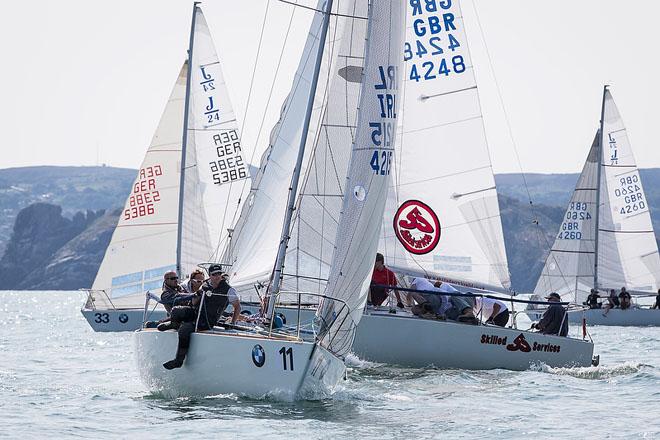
[(540, 233), (270, 94)]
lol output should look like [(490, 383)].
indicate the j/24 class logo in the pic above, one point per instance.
[(417, 227)]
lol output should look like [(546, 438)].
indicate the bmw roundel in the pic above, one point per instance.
[(258, 355), (123, 318)]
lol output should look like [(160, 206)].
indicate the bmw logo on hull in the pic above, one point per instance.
[(258, 355), (123, 318)]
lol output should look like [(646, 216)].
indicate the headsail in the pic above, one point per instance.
[(143, 246), (215, 159), (319, 203), (256, 237), (442, 214), (570, 265), (627, 251), (366, 187)]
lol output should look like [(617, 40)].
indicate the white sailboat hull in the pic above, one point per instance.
[(224, 363), (413, 342), (628, 317), (119, 320), (129, 320)]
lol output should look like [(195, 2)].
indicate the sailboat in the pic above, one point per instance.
[(180, 207), (469, 234), (606, 239), (258, 362), (442, 219)]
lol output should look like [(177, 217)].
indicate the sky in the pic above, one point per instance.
[(85, 82)]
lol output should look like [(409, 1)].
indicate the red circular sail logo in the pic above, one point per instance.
[(417, 227)]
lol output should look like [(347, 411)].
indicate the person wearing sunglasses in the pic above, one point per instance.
[(208, 303), (171, 289)]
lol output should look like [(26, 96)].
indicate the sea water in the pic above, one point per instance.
[(60, 379)]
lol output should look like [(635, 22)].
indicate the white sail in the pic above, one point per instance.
[(627, 251), (569, 267), (257, 233), (442, 214), (215, 158), (143, 246), (368, 178), (312, 242)]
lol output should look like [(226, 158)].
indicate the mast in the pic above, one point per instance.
[(291, 200), (598, 186), (184, 142)]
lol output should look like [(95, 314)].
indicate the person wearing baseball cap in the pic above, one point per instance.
[(554, 320), (208, 303)]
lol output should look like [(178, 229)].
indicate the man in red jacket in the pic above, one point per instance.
[(384, 277)]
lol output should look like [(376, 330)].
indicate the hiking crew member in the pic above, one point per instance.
[(208, 303), (171, 289)]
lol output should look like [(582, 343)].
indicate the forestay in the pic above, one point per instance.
[(255, 241), (442, 215), (627, 251), (365, 191), (143, 245)]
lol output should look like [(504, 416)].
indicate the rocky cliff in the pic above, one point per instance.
[(53, 247), (48, 251)]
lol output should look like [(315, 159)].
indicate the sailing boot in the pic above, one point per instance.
[(177, 362), (167, 325)]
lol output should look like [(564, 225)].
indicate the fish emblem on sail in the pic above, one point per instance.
[(417, 227)]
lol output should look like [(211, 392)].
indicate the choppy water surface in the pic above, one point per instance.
[(60, 379)]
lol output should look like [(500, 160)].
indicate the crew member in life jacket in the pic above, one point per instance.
[(209, 303), (554, 320)]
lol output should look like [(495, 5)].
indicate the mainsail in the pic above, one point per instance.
[(215, 166), (319, 204), (442, 215), (627, 253), (256, 237), (367, 181), (144, 244)]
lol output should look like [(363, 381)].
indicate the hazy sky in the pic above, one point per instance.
[(85, 82)]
